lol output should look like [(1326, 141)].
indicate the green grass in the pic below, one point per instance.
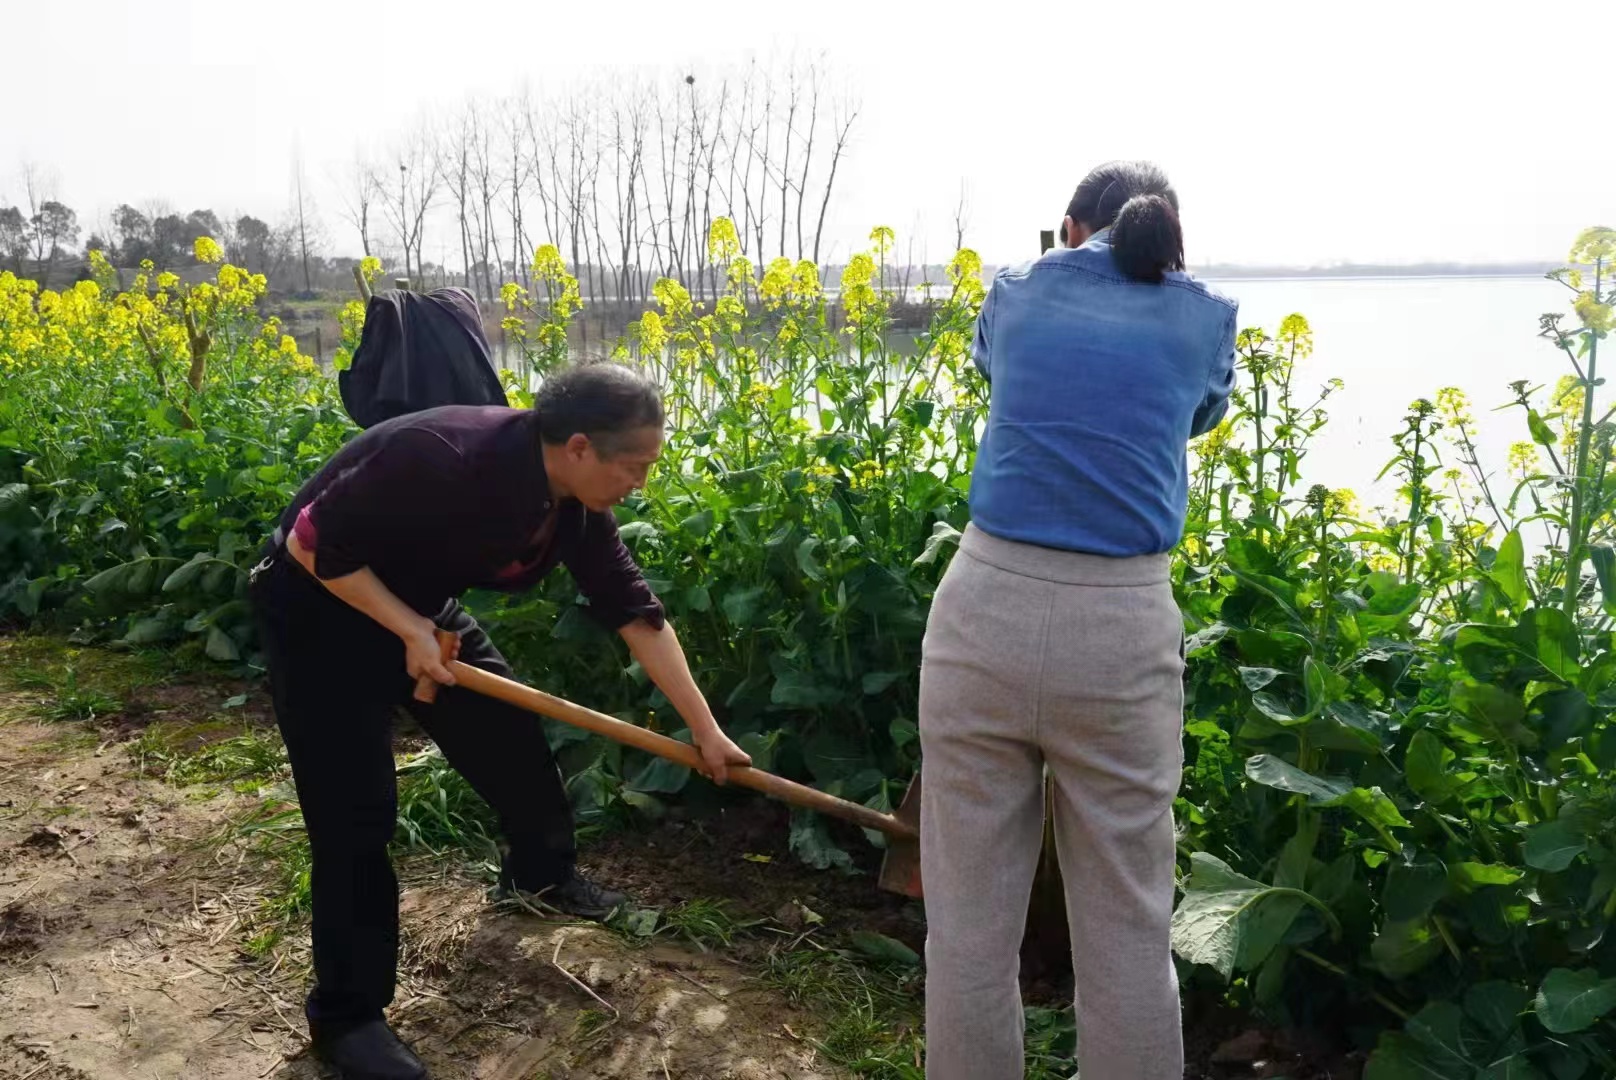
[(438, 810), (73, 696), (195, 754), (706, 924), (46, 661), (871, 1015), (592, 1026), (29, 677), (263, 943), (275, 835)]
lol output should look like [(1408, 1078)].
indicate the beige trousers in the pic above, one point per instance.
[(1038, 658)]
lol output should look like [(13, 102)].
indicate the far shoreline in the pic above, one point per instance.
[(1377, 275)]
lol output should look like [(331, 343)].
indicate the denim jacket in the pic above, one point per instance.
[(1098, 383)]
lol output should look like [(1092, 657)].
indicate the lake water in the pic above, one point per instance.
[(1392, 340)]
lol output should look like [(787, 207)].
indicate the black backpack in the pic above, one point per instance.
[(419, 351)]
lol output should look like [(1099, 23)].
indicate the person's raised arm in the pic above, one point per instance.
[(364, 591), (982, 341), (660, 654), (620, 600), (404, 492), (1219, 383)]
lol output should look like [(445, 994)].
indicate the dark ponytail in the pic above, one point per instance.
[(1146, 240), (1135, 200)]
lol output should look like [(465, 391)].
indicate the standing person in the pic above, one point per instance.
[(1054, 639), (367, 564)]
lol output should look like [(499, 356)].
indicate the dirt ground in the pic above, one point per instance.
[(123, 919), (133, 939)]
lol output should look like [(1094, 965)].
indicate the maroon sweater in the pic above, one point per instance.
[(455, 498)]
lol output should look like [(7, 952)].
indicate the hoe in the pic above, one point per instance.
[(900, 869)]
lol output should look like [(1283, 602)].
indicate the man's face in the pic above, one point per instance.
[(603, 481)]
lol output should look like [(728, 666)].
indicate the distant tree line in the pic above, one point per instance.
[(40, 239), (626, 178)]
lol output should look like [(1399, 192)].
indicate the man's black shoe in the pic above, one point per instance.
[(368, 1051), (577, 896)]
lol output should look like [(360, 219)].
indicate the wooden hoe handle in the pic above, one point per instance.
[(537, 701)]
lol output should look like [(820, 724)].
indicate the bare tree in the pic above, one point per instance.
[(544, 149), (454, 162), (626, 179), (844, 130), (486, 162), (668, 141), (52, 226), (14, 242), (306, 223), (513, 113), (792, 92), (360, 190), (757, 127), (751, 124), (412, 197), (908, 261), (962, 216), (808, 151), (628, 144)]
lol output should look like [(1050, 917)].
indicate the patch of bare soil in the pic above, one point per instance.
[(123, 921)]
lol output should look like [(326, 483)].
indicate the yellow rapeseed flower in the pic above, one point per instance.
[(805, 287), (1594, 315), (1454, 405), (101, 268), (207, 250), (866, 474), (1594, 244), (818, 478), (858, 295), (1296, 335), (951, 345), (776, 286), (730, 313), (1568, 401), (673, 297), (1213, 442), (1523, 459), (653, 335), (548, 264), (740, 273), (1383, 562), (965, 273), (883, 238), (723, 244), (1343, 502)]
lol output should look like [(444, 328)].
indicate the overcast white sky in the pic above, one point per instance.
[(1297, 132)]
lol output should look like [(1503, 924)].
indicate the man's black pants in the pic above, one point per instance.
[(337, 678)]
